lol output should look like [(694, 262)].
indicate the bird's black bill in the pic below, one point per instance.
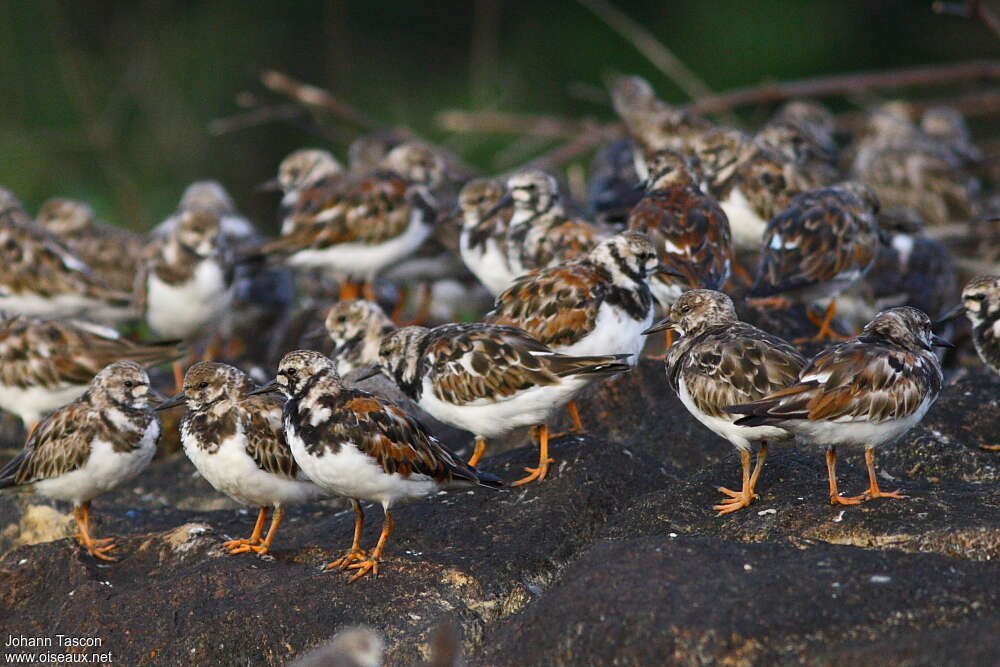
[(662, 325), (957, 311), (666, 270), (173, 401), (269, 186), (937, 341), (505, 202), (369, 372), (269, 388)]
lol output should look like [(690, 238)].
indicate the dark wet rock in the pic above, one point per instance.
[(617, 558)]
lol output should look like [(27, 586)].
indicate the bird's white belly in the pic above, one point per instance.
[(859, 432), (615, 332), (746, 225), (233, 472), (31, 403), (353, 474), (489, 265), (490, 419), (740, 436), (181, 311), (103, 471), (360, 260)]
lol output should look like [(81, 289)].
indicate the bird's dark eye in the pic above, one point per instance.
[(129, 384), (202, 385), (976, 297), (342, 319), (292, 372)]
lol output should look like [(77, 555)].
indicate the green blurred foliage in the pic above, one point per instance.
[(110, 101)]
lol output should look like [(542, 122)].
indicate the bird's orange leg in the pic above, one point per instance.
[(236, 546), (371, 563), (480, 449), (539, 473), (744, 497), (368, 291), (255, 544), (831, 470), (825, 332), (96, 548), (873, 490), (423, 305), (178, 366), (574, 414), (740, 272), (990, 448), (214, 349), (400, 308), (356, 553), (349, 290)]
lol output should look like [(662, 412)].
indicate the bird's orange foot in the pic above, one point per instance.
[(259, 549), (363, 567), (844, 500), (535, 474), (99, 548), (344, 561), (872, 495), (737, 501), (990, 448), (232, 545)]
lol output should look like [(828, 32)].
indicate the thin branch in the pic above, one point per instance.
[(254, 117), (983, 103), (585, 141), (838, 84), (502, 122), (317, 97), (971, 9), (654, 50)]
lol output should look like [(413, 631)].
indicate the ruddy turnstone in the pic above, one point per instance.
[(911, 269), (909, 169), (362, 447), (42, 278), (237, 442), (483, 242), (356, 328), (210, 197), (45, 364), (112, 253), (689, 229), (946, 127), (596, 305), (304, 172), (540, 233), (825, 242), (94, 444), (981, 305), (720, 361), (364, 227), (489, 379), (184, 286), (653, 124), (868, 391)]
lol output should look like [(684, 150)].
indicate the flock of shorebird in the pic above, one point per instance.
[(679, 213)]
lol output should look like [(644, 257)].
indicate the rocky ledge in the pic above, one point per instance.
[(616, 559)]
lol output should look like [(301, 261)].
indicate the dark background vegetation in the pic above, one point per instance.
[(111, 101)]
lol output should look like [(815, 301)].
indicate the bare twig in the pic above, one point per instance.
[(654, 50), (254, 117), (971, 9), (838, 84), (317, 97), (984, 103), (585, 141), (501, 122)]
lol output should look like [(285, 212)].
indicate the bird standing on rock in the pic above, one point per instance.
[(91, 446), (869, 390), (720, 361), (489, 379), (237, 443), (362, 447)]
